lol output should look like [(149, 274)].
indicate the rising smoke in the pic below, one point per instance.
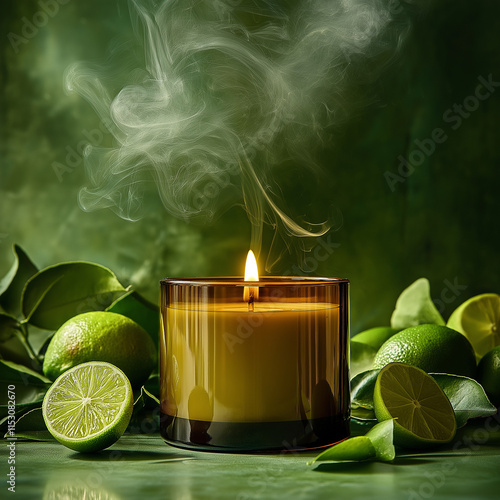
[(227, 91)]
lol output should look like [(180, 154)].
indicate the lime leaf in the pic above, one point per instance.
[(8, 324), (362, 386), (59, 292), (34, 435), (361, 357), (381, 435), (353, 449), (466, 396), (137, 308), (11, 286), (31, 425), (363, 415), (375, 445), (14, 372), (27, 387), (415, 307), (12, 342), (144, 417), (145, 400)]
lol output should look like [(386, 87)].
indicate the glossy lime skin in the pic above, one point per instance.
[(432, 348), (488, 374)]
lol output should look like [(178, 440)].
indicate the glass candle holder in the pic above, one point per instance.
[(254, 366)]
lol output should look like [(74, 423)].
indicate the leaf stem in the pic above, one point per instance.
[(22, 335)]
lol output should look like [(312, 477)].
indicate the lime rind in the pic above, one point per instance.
[(89, 407)]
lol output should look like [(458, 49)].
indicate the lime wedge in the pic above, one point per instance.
[(479, 320), (424, 415), (89, 406)]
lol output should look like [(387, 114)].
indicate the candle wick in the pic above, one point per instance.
[(251, 304)]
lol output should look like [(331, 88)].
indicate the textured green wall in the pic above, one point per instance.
[(441, 221)]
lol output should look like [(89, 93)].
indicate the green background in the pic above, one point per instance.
[(441, 222)]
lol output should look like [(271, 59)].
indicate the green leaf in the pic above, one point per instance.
[(59, 292), (39, 339), (363, 415), (11, 286), (381, 436), (353, 449), (137, 308), (466, 396), (22, 385), (362, 387), (415, 307), (12, 342), (31, 425), (14, 372), (145, 400), (361, 357), (377, 444)]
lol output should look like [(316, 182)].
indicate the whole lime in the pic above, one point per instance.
[(488, 372), (432, 348), (101, 336)]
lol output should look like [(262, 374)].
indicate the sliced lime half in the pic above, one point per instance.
[(423, 413), (89, 406)]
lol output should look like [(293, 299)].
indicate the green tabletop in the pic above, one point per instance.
[(145, 467)]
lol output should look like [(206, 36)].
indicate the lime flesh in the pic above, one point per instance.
[(89, 406), (424, 415), (479, 320)]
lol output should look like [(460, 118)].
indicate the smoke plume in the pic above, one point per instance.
[(227, 91)]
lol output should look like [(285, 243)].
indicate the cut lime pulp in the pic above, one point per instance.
[(424, 415), (89, 406)]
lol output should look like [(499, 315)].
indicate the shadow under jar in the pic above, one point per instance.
[(254, 366)]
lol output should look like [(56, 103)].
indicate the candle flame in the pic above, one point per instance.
[(251, 269), (251, 293)]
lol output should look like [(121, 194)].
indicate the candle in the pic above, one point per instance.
[(254, 367)]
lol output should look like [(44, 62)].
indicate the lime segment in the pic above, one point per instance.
[(89, 406), (424, 415)]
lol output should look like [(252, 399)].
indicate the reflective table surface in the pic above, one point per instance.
[(143, 466)]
